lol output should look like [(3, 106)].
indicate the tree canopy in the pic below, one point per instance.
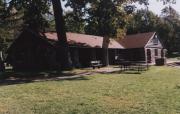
[(142, 21), (111, 18), (34, 11), (101, 17), (169, 28), (5, 28)]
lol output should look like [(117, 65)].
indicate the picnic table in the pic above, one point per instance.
[(96, 63), (133, 65)]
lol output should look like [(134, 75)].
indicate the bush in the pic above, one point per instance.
[(160, 61)]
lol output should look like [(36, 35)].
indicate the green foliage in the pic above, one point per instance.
[(142, 21), (4, 27), (34, 12), (2, 17), (75, 19), (169, 28), (101, 17), (97, 17), (74, 23), (105, 18)]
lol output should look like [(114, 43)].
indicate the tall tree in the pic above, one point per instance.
[(1, 22), (61, 33), (102, 17), (171, 17), (3, 29), (166, 33), (170, 14), (105, 18), (2, 18), (4, 26), (74, 23), (34, 12), (75, 19), (35, 9), (142, 21)]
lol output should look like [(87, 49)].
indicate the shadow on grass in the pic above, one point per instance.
[(126, 72), (12, 78), (174, 55), (174, 64)]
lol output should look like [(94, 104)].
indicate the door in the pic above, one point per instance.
[(148, 55)]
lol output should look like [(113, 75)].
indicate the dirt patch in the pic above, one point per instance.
[(3, 109)]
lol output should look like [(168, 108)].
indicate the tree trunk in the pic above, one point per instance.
[(105, 45), (63, 49)]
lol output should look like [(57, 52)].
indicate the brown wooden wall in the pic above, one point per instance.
[(81, 57), (137, 54)]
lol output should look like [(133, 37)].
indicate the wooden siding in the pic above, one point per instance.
[(137, 54)]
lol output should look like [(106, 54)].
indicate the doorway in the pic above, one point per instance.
[(149, 56)]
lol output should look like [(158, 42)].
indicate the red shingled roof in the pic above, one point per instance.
[(83, 40), (137, 40)]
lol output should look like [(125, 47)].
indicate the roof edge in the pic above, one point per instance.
[(154, 33)]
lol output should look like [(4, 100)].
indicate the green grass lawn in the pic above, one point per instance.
[(156, 91)]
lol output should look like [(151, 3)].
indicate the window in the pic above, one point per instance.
[(156, 52)]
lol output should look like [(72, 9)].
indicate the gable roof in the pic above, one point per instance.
[(136, 40), (82, 40), (27, 38)]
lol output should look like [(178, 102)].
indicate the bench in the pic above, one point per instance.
[(95, 64)]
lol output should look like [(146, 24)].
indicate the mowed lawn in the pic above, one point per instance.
[(156, 91)]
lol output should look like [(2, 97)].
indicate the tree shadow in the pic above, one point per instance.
[(129, 70), (122, 72), (13, 78), (173, 55), (174, 64)]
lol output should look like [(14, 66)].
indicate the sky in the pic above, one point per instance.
[(154, 6)]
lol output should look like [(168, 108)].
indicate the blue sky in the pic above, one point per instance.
[(156, 7)]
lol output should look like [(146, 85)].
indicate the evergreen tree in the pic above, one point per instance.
[(33, 12)]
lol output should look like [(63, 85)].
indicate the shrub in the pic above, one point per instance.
[(160, 61)]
